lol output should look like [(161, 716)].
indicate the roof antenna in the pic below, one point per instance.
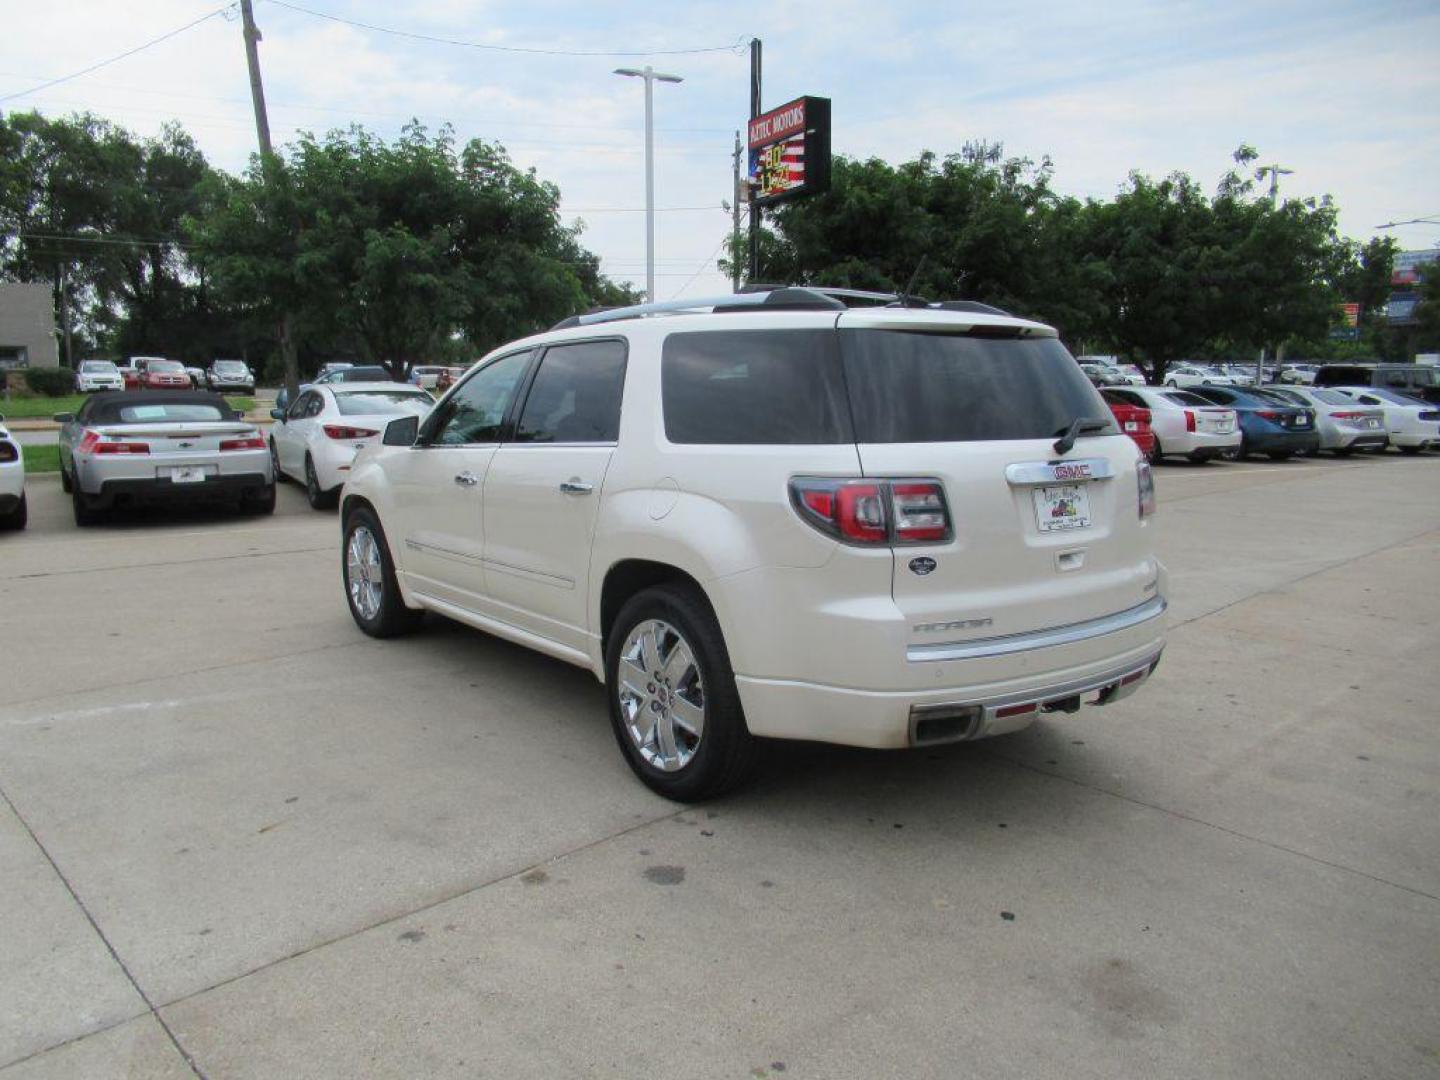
[(908, 294)]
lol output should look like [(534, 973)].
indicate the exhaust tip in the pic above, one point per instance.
[(934, 724)]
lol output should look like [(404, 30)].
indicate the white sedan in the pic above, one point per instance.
[(1413, 425), (1184, 424), (1185, 375), (12, 481), (316, 439)]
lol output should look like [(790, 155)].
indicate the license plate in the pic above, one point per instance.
[(1224, 427), (1060, 508), (192, 474), (1372, 423)]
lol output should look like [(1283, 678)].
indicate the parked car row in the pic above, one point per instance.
[(158, 373)]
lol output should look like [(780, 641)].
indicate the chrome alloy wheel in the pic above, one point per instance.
[(662, 698), (364, 574)]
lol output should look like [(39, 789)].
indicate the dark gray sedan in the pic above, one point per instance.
[(137, 447)]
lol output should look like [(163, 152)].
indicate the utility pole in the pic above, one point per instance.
[(257, 89), (755, 109), (735, 222), (1276, 171), (268, 163), (65, 316)]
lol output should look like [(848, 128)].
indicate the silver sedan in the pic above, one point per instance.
[(135, 447)]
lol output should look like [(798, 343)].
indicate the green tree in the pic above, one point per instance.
[(394, 249)]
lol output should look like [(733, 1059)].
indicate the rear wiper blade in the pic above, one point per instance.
[(1084, 425)]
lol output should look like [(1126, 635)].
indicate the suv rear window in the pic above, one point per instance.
[(753, 387), (909, 386)]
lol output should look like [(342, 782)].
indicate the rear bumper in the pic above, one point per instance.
[(1263, 442), (165, 491), (1204, 443), (1108, 658), (1410, 438)]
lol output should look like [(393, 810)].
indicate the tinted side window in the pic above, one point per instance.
[(753, 387), (476, 411), (907, 386), (1224, 397), (575, 397)]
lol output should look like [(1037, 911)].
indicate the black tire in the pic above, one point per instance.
[(319, 500), (280, 477), (66, 484), (392, 617), (1411, 450), (1279, 455), (1156, 453), (262, 502), (1343, 451), (1173, 385), (85, 514), (724, 754), (15, 520)]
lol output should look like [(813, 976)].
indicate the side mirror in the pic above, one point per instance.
[(402, 432), (277, 414), (63, 417)]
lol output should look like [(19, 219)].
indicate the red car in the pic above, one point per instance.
[(1135, 422), (160, 374)]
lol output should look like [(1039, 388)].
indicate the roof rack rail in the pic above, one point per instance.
[(772, 298)]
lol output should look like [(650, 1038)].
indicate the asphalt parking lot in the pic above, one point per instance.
[(239, 839)]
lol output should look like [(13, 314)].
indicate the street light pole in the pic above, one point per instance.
[(651, 76), (1276, 171)]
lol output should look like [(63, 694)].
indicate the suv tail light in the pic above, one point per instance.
[(249, 442), (1145, 482), (340, 431), (9, 451), (1189, 419), (862, 511), (1267, 415), (95, 443)]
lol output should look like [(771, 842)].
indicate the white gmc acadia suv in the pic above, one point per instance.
[(776, 515)]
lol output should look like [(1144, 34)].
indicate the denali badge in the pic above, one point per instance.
[(922, 565)]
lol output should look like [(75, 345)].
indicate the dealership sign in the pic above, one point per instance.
[(790, 151)]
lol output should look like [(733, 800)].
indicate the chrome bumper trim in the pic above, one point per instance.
[(1039, 639)]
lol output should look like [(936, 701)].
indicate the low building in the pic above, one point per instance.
[(27, 327)]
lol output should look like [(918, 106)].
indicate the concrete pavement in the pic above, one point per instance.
[(240, 839)]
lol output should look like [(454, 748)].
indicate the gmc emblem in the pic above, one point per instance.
[(1072, 472)]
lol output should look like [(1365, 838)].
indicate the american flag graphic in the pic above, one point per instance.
[(781, 166)]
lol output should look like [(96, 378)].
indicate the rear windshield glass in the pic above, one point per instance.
[(1180, 397), (753, 387), (1394, 398), (922, 387), (163, 414), (1330, 397), (363, 374), (383, 403)]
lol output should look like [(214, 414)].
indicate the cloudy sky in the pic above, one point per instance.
[(1345, 94)]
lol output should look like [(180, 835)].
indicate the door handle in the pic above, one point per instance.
[(576, 486), (466, 479)]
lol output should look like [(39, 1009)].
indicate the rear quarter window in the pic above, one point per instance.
[(753, 387), (909, 386)]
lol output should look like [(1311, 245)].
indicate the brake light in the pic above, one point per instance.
[(1189, 419), (1145, 482), (95, 443), (1266, 415), (249, 442), (9, 451), (340, 431), (1347, 416), (872, 512)]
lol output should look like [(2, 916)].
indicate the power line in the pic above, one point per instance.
[(701, 269), (500, 48), (121, 56)]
